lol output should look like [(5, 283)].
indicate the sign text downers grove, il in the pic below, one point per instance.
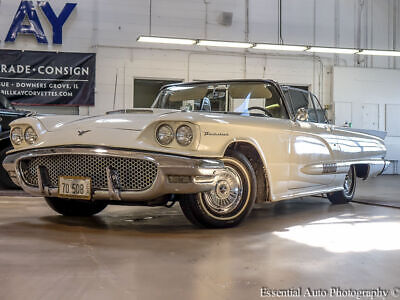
[(47, 78)]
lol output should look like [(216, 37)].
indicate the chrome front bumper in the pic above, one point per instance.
[(176, 174)]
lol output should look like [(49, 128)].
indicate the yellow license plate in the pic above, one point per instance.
[(74, 187)]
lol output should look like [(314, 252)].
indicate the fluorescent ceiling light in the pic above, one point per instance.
[(262, 46), (279, 47), (224, 44), (379, 52), (333, 50), (165, 40)]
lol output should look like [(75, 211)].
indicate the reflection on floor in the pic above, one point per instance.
[(379, 191), (154, 253), (347, 232)]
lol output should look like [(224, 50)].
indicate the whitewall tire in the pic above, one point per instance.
[(349, 188), (230, 201)]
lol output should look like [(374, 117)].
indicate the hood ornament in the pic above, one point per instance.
[(82, 132)]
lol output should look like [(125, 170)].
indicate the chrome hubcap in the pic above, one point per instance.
[(348, 182), (226, 195)]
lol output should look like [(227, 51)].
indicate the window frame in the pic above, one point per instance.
[(309, 96), (315, 99)]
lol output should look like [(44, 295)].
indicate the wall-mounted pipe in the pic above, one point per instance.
[(95, 25), (372, 33), (395, 10), (280, 38), (366, 13), (115, 89), (247, 25), (337, 28), (246, 33), (150, 15), (314, 23), (358, 33), (206, 2)]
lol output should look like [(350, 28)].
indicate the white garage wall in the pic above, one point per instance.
[(110, 29), (140, 63), (373, 98)]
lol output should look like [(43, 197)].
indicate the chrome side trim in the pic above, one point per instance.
[(387, 165), (309, 193), (376, 167), (376, 171), (168, 165)]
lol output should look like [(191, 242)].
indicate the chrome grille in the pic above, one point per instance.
[(134, 174)]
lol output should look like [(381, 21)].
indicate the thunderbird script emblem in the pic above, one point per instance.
[(82, 132)]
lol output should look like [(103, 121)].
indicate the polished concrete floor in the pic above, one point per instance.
[(154, 253)]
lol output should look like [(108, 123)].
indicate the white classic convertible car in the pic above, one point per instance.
[(216, 147)]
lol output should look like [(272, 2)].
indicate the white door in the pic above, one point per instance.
[(370, 116), (392, 120)]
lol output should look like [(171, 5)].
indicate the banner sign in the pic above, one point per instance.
[(47, 78)]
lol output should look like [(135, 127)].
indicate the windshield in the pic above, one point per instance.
[(244, 98)]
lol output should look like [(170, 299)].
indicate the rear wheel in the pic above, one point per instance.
[(75, 208), (349, 188), (230, 201)]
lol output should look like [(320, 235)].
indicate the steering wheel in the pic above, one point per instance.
[(264, 110)]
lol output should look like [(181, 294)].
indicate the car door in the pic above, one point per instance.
[(262, 103), (313, 146)]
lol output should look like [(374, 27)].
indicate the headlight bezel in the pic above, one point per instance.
[(181, 141), (192, 131), (172, 135), (21, 135), (32, 135)]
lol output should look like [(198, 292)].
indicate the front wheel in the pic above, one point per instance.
[(230, 201), (75, 208), (349, 188)]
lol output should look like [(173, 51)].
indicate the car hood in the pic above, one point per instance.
[(132, 130), (133, 120)]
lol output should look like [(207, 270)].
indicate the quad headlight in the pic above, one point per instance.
[(16, 136), (20, 134), (184, 135), (30, 135), (165, 134)]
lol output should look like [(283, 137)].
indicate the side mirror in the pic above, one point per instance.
[(302, 114)]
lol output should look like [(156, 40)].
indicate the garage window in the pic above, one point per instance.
[(146, 90)]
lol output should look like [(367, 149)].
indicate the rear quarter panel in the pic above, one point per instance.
[(358, 146)]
